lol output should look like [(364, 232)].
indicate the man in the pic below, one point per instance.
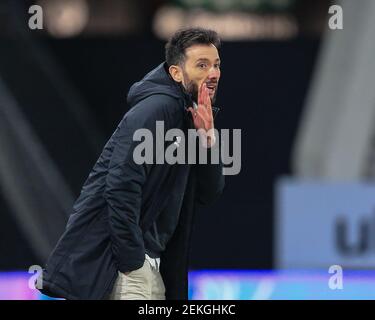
[(129, 234)]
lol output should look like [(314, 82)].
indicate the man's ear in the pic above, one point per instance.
[(176, 73)]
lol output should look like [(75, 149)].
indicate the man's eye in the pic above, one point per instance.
[(202, 65), (217, 66)]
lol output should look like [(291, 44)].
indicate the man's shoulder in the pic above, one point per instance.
[(156, 104), (162, 100)]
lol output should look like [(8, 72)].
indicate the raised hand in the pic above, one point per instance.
[(202, 116)]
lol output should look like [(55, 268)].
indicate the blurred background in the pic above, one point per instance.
[(301, 92)]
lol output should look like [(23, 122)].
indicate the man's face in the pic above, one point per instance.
[(202, 65)]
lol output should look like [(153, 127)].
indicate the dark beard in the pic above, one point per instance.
[(191, 88)]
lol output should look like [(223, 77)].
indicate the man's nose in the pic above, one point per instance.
[(214, 73)]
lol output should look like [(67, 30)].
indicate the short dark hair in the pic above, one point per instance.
[(185, 38)]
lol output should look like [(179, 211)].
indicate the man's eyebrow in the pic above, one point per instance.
[(207, 60)]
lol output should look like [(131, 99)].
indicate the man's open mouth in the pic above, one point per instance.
[(211, 88)]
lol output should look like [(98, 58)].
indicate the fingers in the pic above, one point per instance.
[(201, 117), (207, 102), (206, 95), (201, 95), (196, 114), (204, 100), (193, 112)]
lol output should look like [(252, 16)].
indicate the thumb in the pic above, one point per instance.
[(192, 111)]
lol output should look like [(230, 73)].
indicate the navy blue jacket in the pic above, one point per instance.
[(121, 199)]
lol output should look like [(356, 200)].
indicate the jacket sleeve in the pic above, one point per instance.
[(125, 180), (210, 178)]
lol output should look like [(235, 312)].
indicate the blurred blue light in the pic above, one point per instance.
[(238, 285)]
